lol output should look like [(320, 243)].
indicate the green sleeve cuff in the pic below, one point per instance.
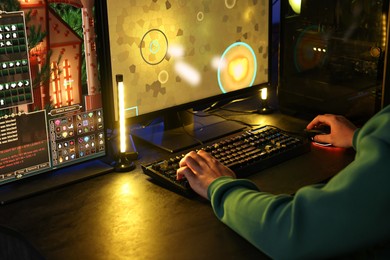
[(355, 138), (222, 185)]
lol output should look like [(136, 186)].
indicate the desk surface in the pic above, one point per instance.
[(127, 216)]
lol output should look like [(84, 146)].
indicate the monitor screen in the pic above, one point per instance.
[(51, 116), (182, 53)]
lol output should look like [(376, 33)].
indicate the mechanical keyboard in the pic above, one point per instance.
[(245, 153)]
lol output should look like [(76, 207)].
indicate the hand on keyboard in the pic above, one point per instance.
[(201, 169), (243, 153)]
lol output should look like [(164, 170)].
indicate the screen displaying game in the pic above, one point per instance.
[(175, 52), (51, 112)]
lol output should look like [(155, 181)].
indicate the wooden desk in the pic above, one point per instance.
[(126, 216)]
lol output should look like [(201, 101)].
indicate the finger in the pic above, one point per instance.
[(208, 158), (193, 161), (322, 139), (184, 160), (319, 120), (187, 173), (180, 173), (183, 172), (313, 123), (211, 163), (215, 165)]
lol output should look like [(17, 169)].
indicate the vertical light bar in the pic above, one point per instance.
[(121, 112), (384, 31), (264, 93), (265, 109), (124, 162)]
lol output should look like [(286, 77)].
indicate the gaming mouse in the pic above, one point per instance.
[(318, 130)]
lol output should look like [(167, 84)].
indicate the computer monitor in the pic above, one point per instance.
[(50, 118), (175, 55)]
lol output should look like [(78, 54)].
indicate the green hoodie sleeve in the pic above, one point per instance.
[(349, 213)]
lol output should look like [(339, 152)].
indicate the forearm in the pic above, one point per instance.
[(347, 214), (313, 223), (251, 213)]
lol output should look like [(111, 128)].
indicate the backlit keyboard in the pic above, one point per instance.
[(245, 153)]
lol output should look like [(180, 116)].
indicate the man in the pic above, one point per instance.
[(348, 214)]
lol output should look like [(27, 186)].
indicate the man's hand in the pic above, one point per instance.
[(341, 130), (201, 169)]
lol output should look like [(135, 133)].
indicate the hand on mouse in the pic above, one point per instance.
[(341, 130), (201, 169)]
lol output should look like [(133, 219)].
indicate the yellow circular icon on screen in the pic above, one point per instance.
[(237, 68)]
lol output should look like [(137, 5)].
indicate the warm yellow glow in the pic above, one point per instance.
[(295, 5), (125, 190), (384, 31), (122, 124), (238, 68), (264, 93)]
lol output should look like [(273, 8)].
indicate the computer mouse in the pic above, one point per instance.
[(318, 130)]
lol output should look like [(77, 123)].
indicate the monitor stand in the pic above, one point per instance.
[(183, 130)]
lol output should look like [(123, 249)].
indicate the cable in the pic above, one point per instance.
[(244, 112), (227, 119), (215, 104)]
